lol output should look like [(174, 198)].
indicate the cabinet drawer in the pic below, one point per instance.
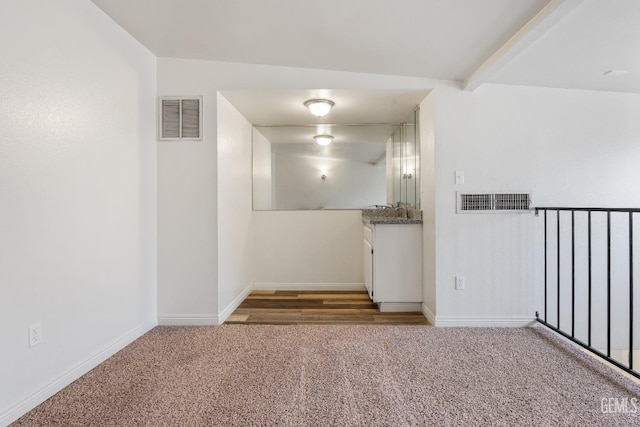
[(368, 234)]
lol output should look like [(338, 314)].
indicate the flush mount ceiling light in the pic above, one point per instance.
[(323, 140), (319, 107)]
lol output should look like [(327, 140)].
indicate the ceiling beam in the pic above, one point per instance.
[(550, 15)]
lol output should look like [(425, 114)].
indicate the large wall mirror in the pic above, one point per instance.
[(404, 164), (372, 158)]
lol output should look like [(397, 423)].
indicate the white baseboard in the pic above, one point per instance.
[(483, 322), (188, 320), (399, 307), (14, 412), (309, 286), (430, 315), (229, 309), (204, 319)]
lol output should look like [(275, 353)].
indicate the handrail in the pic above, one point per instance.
[(586, 209)]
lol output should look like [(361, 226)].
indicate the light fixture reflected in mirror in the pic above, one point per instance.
[(323, 140), (319, 107)]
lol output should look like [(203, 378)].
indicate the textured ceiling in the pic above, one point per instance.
[(595, 37), (424, 38)]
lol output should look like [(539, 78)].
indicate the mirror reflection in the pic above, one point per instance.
[(405, 174), (352, 169), (332, 148), (292, 171)]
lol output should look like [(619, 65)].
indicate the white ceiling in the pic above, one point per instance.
[(280, 107), (597, 36), (426, 38), (290, 126), (552, 43)]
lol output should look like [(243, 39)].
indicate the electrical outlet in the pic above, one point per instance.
[(35, 334), (460, 283)]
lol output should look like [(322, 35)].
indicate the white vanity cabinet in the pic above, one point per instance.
[(393, 265)]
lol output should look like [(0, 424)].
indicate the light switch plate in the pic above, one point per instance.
[(459, 177)]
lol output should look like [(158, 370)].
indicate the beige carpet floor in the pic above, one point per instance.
[(262, 375)]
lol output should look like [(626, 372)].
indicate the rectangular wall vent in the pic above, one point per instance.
[(180, 118), (475, 202), (493, 202)]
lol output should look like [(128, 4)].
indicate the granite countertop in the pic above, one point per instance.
[(383, 220), (391, 216)]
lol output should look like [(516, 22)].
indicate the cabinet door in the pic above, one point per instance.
[(398, 266), (368, 267)]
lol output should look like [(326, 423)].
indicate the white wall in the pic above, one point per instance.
[(188, 214), (78, 191), (308, 250), (188, 225), (234, 207), (263, 183), (570, 148), (567, 147), (427, 203), (348, 184)]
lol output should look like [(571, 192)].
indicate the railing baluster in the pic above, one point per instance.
[(558, 262), (589, 284), (545, 265), (573, 273), (630, 290), (608, 284)]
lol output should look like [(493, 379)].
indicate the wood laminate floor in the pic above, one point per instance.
[(316, 307)]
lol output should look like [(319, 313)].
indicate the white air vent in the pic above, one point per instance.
[(493, 202), (180, 118)]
